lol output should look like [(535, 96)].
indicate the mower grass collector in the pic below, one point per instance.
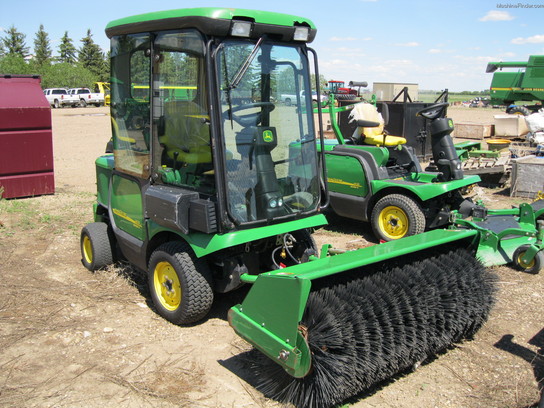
[(207, 191)]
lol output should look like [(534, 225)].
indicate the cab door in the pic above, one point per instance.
[(130, 116)]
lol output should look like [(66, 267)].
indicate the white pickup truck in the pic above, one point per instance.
[(290, 99), (59, 97), (86, 97)]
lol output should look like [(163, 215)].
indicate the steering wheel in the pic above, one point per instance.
[(433, 111), (251, 118)]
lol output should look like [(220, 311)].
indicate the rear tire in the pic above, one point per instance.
[(56, 104), (180, 283), (396, 216), (96, 246), (532, 267)]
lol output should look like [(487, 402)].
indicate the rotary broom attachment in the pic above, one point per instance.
[(365, 330)]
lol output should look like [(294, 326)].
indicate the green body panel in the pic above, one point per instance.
[(104, 167), (422, 185), (269, 316), (380, 154), (346, 175), (262, 17), (127, 207), (272, 325), (528, 85), (205, 244)]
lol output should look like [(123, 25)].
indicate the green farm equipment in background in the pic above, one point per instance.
[(525, 85), (211, 193), (374, 177)]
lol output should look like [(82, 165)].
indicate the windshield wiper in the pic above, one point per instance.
[(245, 66)]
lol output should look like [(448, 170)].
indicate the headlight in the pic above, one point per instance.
[(301, 34), (240, 28)]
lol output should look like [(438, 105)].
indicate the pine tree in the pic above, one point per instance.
[(14, 43), (67, 50), (42, 48), (91, 56)]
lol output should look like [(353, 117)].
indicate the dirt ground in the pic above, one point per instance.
[(71, 338)]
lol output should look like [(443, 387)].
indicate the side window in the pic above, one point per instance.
[(180, 110), (131, 66)]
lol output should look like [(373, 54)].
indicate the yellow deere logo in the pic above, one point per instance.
[(268, 136)]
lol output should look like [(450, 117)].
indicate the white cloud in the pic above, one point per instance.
[(349, 39), (535, 39), (496, 15), (408, 44), (435, 51)]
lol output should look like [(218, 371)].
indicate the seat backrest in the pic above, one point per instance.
[(367, 111), (186, 132)]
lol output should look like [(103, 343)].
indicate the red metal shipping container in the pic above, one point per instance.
[(26, 138)]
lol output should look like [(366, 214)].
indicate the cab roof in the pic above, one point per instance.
[(212, 21)]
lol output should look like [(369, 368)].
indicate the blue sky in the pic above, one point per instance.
[(436, 43)]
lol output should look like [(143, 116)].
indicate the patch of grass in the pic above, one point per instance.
[(14, 206)]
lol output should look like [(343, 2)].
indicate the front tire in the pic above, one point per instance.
[(96, 246), (180, 283), (532, 267), (396, 216), (82, 103)]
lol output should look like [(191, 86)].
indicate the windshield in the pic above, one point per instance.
[(271, 161)]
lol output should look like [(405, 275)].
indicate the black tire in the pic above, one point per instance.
[(98, 105), (396, 216), (532, 267), (519, 110), (180, 283), (306, 245), (96, 246), (56, 104), (287, 102), (82, 103)]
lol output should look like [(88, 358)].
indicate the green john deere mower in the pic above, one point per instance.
[(212, 185), (377, 178)]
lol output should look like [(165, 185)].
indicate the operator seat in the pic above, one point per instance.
[(370, 127), (186, 137)]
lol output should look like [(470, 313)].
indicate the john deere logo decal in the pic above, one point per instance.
[(268, 136)]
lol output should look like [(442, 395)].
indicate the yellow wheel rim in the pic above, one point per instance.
[(167, 286), (393, 222), (87, 250), (525, 265)]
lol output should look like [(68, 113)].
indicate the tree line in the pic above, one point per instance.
[(66, 67)]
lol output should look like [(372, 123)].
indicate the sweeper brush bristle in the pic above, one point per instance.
[(365, 330)]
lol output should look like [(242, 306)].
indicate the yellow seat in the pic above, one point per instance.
[(378, 140), (373, 135), (187, 136)]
